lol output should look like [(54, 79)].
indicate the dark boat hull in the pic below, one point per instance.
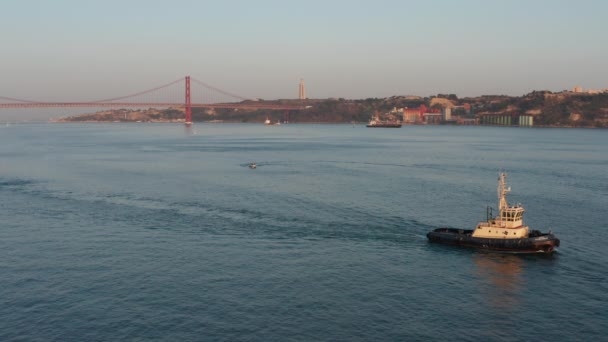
[(537, 242), (384, 126)]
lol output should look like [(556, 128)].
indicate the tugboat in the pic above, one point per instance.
[(505, 232)]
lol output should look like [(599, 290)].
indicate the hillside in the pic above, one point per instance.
[(549, 109)]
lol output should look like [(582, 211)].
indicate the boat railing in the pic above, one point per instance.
[(493, 223)]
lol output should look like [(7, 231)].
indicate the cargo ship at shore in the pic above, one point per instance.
[(504, 233), (376, 122)]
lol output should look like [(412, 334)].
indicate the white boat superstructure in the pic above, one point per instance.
[(509, 222)]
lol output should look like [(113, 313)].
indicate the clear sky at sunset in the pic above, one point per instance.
[(81, 50)]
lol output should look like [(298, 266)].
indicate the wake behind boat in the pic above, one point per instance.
[(505, 232)]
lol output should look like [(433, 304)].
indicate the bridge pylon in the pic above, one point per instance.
[(188, 104)]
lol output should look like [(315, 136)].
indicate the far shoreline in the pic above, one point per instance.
[(307, 123)]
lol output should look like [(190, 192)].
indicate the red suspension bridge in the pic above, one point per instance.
[(191, 92)]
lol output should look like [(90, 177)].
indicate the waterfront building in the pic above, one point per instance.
[(447, 114), (433, 117), (526, 121), (467, 122), (411, 115), (521, 120)]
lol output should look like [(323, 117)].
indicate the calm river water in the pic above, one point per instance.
[(150, 232)]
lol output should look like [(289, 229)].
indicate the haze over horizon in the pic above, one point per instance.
[(75, 50)]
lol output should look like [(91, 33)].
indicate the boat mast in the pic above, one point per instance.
[(502, 190)]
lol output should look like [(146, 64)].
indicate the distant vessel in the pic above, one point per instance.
[(269, 123), (505, 232), (376, 122), (252, 166)]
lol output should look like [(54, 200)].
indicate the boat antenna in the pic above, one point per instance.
[(502, 191)]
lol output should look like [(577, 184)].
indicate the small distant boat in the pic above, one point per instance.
[(270, 123), (505, 232), (252, 166)]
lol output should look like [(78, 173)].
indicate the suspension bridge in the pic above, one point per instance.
[(186, 93)]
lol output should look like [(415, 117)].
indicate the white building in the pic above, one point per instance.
[(447, 114)]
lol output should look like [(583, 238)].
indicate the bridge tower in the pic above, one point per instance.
[(188, 104)]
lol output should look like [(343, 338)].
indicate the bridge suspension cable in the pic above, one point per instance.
[(141, 92), (219, 90), (166, 95), (17, 100)]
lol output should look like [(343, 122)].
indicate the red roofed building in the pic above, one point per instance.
[(411, 115)]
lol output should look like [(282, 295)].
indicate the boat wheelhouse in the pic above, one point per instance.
[(509, 223)]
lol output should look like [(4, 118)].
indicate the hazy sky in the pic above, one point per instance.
[(80, 50)]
